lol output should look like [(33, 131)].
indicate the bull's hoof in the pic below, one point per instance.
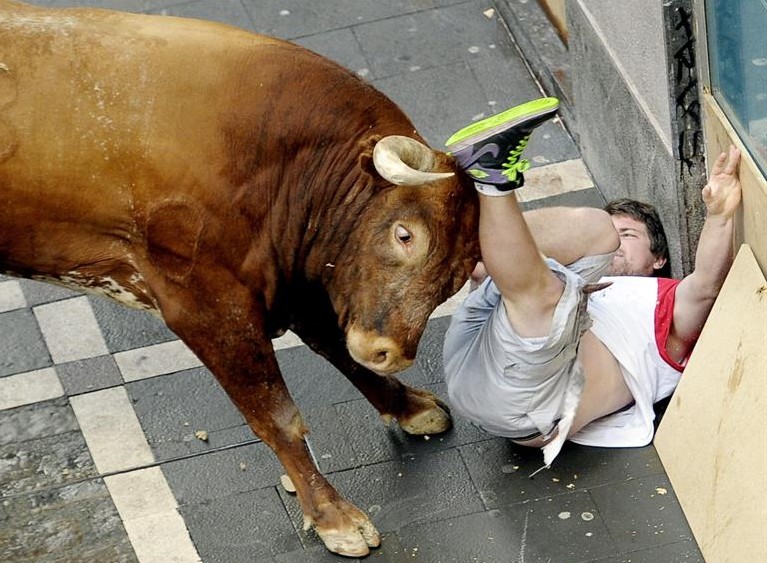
[(433, 418), (351, 532)]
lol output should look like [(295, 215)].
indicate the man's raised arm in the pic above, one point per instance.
[(696, 293)]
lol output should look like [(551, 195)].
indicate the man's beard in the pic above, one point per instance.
[(619, 267)]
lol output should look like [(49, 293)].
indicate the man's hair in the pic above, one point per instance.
[(647, 214)]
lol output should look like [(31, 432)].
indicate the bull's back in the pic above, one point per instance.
[(104, 115), (90, 94)]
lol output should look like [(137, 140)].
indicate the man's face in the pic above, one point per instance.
[(634, 257)]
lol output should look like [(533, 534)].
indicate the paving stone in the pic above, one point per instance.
[(352, 434), (29, 387), (581, 198), (328, 440), (124, 5), (125, 329), (37, 464), (112, 430), (429, 367), (341, 46), (398, 493), (41, 446), (70, 330), (390, 551), (430, 38), (565, 529), (230, 12), (77, 522), (453, 94), (171, 408), (32, 422), (550, 143), (681, 552), (203, 478), (158, 359), (11, 296), (642, 513), (373, 442), (247, 527), (91, 374), (501, 469), (38, 293), (22, 347), (482, 537), (312, 380), (503, 75), (298, 18)]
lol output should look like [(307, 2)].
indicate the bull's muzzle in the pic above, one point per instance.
[(380, 354)]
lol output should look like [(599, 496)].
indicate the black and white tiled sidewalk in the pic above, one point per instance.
[(117, 445), (114, 472)]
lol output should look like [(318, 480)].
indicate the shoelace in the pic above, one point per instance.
[(513, 166)]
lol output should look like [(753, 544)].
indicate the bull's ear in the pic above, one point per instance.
[(365, 159), (406, 162)]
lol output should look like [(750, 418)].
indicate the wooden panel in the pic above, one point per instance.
[(712, 440), (751, 227), (555, 9)]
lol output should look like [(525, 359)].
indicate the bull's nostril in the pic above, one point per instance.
[(382, 357)]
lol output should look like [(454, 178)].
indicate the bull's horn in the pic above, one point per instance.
[(405, 161)]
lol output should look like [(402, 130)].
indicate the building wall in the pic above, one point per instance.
[(634, 103), (632, 33), (621, 105)]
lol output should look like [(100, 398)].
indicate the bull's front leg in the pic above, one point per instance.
[(417, 411), (257, 388), (241, 357)]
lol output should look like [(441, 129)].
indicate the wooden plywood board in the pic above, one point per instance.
[(751, 226), (713, 437), (555, 9)]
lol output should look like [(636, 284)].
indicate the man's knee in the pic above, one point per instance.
[(600, 230), (478, 275)]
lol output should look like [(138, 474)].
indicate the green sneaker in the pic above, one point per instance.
[(489, 150)]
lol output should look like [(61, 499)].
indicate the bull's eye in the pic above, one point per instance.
[(403, 235)]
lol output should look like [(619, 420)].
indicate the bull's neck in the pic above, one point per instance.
[(321, 214)]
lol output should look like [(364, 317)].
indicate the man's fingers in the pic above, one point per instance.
[(732, 163), (719, 163)]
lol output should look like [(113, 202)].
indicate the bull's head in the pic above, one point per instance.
[(413, 245)]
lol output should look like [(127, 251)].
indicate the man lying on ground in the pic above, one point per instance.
[(547, 349)]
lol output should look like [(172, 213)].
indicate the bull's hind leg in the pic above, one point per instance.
[(416, 411), (224, 329)]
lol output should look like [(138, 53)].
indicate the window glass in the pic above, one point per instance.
[(737, 43)]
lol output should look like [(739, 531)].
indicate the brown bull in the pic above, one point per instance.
[(236, 186)]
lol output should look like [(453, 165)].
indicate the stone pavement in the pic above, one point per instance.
[(102, 408)]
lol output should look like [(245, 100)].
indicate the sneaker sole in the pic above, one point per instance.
[(489, 126)]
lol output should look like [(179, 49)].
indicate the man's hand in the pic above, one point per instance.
[(695, 294), (722, 193)]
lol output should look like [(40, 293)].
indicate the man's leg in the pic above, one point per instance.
[(567, 234), (529, 289), (596, 235), (490, 151)]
